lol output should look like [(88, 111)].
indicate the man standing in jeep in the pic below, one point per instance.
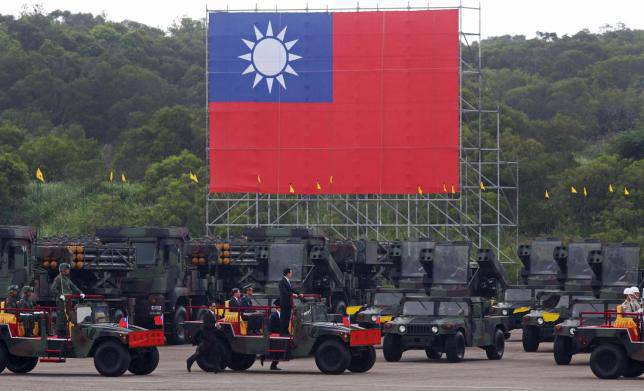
[(62, 286), (287, 293)]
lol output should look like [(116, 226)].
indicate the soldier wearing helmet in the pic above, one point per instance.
[(636, 302), (27, 318), (62, 286), (629, 306), (12, 297)]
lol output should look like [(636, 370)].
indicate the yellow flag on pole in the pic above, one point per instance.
[(482, 185), (420, 190), (39, 175), (585, 192), (444, 188), (193, 177), (123, 179), (546, 196), (453, 189), (291, 189), (573, 190), (610, 188), (111, 176), (318, 186), (626, 192)]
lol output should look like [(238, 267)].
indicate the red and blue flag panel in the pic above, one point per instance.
[(334, 103)]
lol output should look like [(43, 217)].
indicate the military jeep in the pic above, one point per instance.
[(336, 347), (380, 309), (565, 344), (444, 325), (617, 344), (115, 348)]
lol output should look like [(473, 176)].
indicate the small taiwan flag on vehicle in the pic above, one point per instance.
[(124, 323), (158, 320)]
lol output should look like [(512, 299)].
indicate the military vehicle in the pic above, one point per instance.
[(449, 319), (336, 347), (444, 325), (617, 344), (382, 305), (162, 283), (15, 256), (580, 281), (115, 349)]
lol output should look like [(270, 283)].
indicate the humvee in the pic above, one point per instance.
[(336, 347), (565, 345), (115, 348), (380, 308), (444, 325), (617, 344)]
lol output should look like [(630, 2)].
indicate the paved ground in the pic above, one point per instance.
[(517, 371)]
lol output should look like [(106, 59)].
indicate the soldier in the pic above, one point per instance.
[(12, 298), (628, 306), (62, 286), (209, 347), (26, 303), (637, 301)]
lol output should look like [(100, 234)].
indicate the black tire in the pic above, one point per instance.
[(455, 347), (144, 361), (4, 357), (332, 357), (633, 368), (530, 339), (433, 353), (241, 362), (562, 350), (608, 361), (391, 348), (177, 334), (495, 351), (362, 360), (111, 359), (206, 361), (18, 364)]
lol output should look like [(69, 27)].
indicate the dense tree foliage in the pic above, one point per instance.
[(81, 96)]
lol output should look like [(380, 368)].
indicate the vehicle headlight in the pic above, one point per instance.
[(505, 312), (374, 318), (540, 320), (435, 329), (572, 331), (402, 328)]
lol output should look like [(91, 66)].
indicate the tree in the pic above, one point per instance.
[(13, 185)]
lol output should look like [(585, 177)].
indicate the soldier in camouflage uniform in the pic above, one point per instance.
[(62, 286), (12, 297), (28, 319)]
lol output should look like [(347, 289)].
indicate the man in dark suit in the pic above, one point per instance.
[(274, 328), (235, 300), (287, 293), (254, 318)]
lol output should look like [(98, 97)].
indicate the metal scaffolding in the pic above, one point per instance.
[(484, 211)]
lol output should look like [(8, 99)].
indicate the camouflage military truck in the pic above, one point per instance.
[(161, 284), (15, 256), (449, 319), (614, 268), (617, 344), (260, 257), (115, 348), (336, 347), (444, 325), (579, 281)]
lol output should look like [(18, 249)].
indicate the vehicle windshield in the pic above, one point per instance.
[(387, 298), (518, 295), (418, 308), (451, 308), (315, 313), (578, 308), (92, 314)]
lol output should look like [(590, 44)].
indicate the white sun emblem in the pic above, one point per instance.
[(269, 57)]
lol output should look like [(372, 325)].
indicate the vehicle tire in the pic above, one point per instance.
[(177, 335), (608, 361), (433, 353), (362, 360), (495, 351), (633, 368), (530, 339), (4, 357), (18, 364), (332, 357), (207, 361), (111, 359), (455, 347), (241, 362), (144, 361), (562, 350), (391, 348)]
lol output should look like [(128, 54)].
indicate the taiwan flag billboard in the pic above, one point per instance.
[(333, 103)]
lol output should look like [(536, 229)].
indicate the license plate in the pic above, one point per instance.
[(155, 308)]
